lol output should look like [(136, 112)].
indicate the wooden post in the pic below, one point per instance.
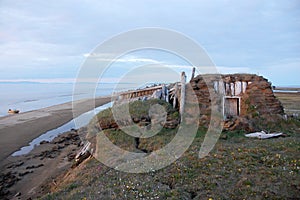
[(165, 93), (182, 95), (193, 73), (175, 95)]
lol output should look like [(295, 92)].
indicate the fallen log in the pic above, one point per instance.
[(83, 154)]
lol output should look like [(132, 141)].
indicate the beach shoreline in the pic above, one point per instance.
[(19, 130), (25, 176), (31, 175)]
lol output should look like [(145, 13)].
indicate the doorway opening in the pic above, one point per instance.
[(231, 107)]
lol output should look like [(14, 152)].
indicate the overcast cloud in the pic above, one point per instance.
[(50, 39)]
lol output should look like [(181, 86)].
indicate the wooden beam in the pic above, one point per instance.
[(193, 73), (182, 95)]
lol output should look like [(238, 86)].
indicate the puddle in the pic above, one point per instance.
[(81, 120)]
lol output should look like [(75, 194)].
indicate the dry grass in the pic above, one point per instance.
[(290, 101), (237, 168)]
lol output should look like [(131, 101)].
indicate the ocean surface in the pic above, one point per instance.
[(32, 96)]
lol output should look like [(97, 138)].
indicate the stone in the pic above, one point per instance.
[(44, 142)]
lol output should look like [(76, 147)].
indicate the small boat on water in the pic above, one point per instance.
[(10, 111)]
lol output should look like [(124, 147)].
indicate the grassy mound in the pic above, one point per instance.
[(237, 168), (140, 113)]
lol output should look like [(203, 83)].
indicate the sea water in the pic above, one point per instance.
[(33, 96), (26, 96), (50, 135)]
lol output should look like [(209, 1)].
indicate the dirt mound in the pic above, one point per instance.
[(242, 98)]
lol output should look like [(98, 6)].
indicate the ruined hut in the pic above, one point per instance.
[(245, 99)]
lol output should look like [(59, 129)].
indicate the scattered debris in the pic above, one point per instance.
[(14, 165), (6, 181), (44, 142), (18, 194), (35, 166), (83, 154), (25, 173), (28, 167), (10, 111), (263, 135)]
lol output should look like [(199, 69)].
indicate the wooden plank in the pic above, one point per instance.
[(182, 95)]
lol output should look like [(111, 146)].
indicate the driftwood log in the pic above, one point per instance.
[(83, 154)]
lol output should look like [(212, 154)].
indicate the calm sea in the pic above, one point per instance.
[(32, 96)]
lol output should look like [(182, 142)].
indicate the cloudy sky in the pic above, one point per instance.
[(49, 40)]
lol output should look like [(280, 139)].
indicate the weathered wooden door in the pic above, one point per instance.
[(231, 107)]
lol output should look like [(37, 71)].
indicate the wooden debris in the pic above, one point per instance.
[(83, 154), (263, 135), (182, 95)]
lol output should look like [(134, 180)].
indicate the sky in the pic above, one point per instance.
[(50, 40)]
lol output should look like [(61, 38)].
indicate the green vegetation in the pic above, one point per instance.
[(275, 123), (237, 167), (140, 110)]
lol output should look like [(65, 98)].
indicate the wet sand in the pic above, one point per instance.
[(18, 130), (32, 175)]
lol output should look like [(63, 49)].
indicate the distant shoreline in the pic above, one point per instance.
[(286, 88)]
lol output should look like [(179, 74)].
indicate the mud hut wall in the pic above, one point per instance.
[(259, 99), (254, 94)]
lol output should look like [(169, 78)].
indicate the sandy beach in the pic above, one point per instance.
[(31, 175), (23, 177), (18, 130)]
